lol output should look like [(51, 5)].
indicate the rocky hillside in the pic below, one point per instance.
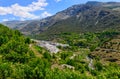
[(109, 51), (92, 16)]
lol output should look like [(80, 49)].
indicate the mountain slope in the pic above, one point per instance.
[(109, 51), (24, 60), (92, 16)]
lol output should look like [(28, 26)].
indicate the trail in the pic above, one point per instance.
[(90, 65), (37, 54)]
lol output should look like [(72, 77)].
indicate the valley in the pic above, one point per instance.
[(73, 53), (80, 42)]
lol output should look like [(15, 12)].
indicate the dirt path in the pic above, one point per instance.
[(37, 54), (90, 65)]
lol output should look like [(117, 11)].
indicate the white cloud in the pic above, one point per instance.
[(45, 14), (58, 0), (8, 19), (5, 20), (24, 11), (22, 19)]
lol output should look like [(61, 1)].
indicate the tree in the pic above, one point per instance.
[(5, 70)]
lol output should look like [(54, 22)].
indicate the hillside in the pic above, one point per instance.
[(80, 42), (109, 51), (89, 17), (22, 58)]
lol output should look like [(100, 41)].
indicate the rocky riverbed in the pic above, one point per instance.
[(50, 46)]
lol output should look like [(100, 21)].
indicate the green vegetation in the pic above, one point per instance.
[(22, 59)]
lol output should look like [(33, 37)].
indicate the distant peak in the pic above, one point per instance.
[(112, 2), (93, 3)]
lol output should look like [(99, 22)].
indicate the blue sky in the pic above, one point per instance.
[(35, 9)]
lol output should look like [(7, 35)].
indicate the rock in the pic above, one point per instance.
[(50, 46)]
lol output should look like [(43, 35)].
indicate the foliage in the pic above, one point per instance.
[(18, 61)]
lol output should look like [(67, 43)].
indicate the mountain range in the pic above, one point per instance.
[(90, 17)]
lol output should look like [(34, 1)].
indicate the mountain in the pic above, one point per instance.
[(90, 55), (90, 17)]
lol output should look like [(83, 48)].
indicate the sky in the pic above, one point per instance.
[(35, 9)]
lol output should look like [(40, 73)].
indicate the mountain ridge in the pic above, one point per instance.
[(92, 16)]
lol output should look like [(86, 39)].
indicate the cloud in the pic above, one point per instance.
[(8, 19), (45, 14), (24, 11), (58, 0), (5, 20)]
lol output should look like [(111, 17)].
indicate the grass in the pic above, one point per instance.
[(35, 50)]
